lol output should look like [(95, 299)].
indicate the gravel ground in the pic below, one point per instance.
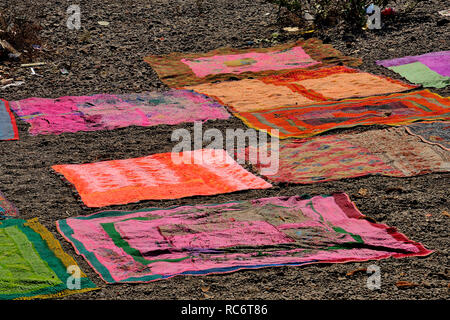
[(109, 60)]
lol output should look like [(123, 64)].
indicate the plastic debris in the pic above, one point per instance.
[(34, 73), (445, 13), (388, 12), (351, 273), (291, 29), (307, 31), (35, 64), (308, 16), (13, 55), (406, 284), (103, 23), (13, 84)]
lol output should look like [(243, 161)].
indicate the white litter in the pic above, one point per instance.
[(14, 84)]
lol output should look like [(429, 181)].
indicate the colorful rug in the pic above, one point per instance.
[(33, 265), (310, 120), (154, 244), (107, 111), (183, 69), (159, 176), (432, 132), (299, 88), (388, 152), (430, 70), (7, 209), (8, 127)]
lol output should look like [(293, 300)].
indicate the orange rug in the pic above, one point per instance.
[(159, 176), (298, 88), (310, 120)]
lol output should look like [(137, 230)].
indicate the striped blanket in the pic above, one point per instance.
[(159, 176), (299, 88), (33, 264), (313, 119), (155, 244), (183, 69), (389, 152)]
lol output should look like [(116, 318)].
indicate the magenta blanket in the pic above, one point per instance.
[(153, 244), (436, 61), (108, 111)]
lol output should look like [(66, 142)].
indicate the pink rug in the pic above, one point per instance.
[(154, 244), (107, 111)]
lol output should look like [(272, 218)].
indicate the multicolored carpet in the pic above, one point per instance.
[(33, 265), (8, 127), (155, 244), (430, 70), (107, 111), (299, 88), (7, 209), (388, 152), (159, 176), (184, 69), (309, 120), (432, 132)]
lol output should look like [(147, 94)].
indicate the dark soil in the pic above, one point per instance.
[(109, 59)]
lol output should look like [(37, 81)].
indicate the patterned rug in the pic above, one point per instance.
[(33, 265), (432, 132), (154, 244), (310, 120), (7, 209), (298, 88), (388, 152), (183, 69), (107, 111), (8, 127), (430, 70), (159, 176)]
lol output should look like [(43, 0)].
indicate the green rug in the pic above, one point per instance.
[(419, 73), (33, 264)]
